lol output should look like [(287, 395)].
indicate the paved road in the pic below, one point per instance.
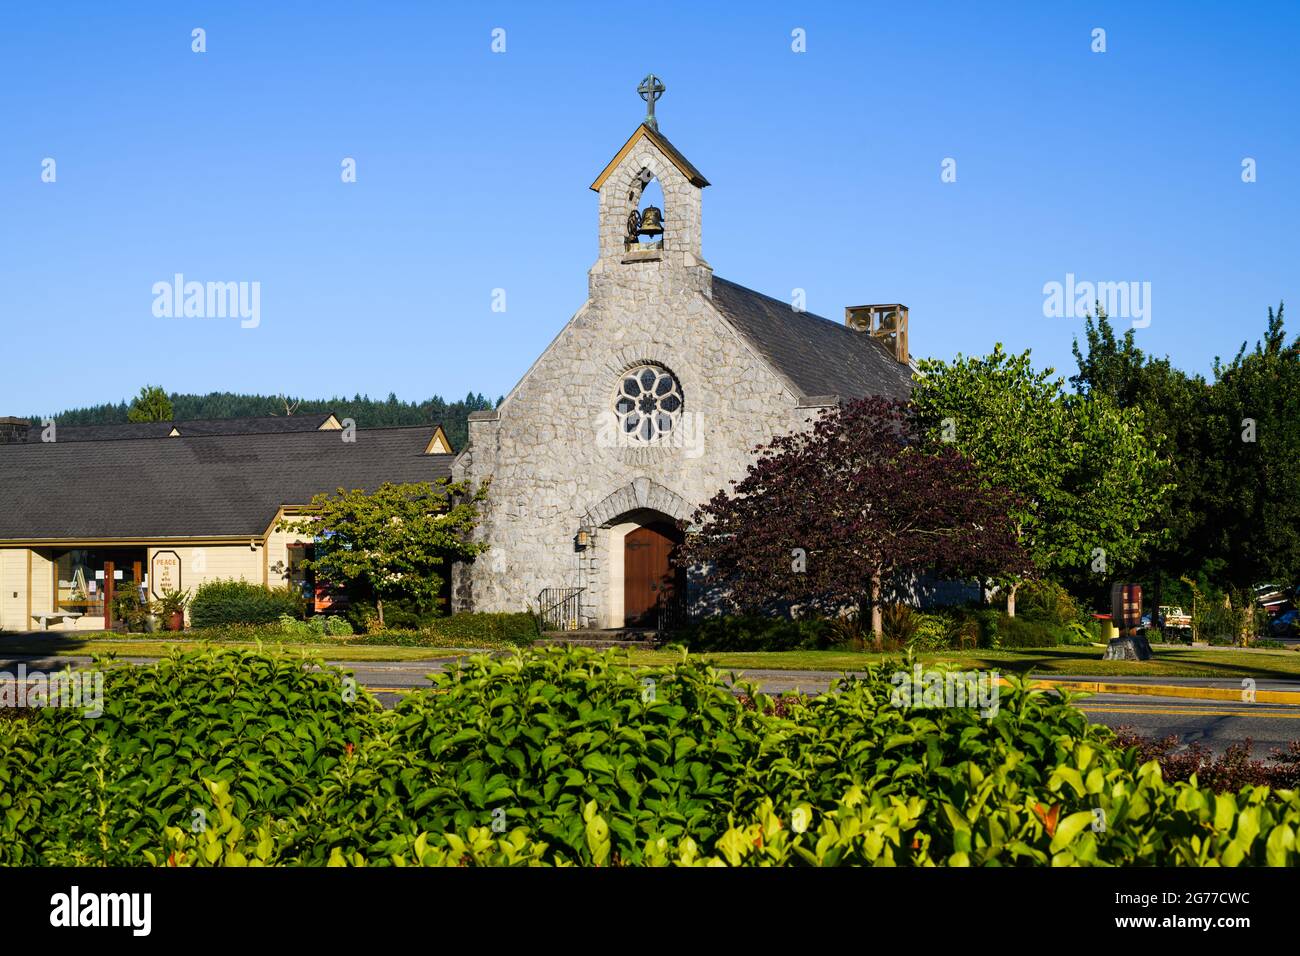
[(1216, 724)]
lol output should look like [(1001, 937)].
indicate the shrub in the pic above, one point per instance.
[(1045, 600), (337, 626), (898, 624), (1216, 624), (518, 627), (933, 632), (755, 633), (1013, 632), (1080, 634), (312, 627), (239, 602), (129, 609), (851, 630), (108, 787), (587, 760), (1222, 773), (974, 626), (399, 615)]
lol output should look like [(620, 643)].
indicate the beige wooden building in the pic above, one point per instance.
[(83, 516)]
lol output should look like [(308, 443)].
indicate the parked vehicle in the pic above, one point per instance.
[(1171, 615), (1285, 624), (1273, 598)]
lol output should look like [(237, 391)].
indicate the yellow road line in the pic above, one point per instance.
[(1088, 708), (1166, 690)]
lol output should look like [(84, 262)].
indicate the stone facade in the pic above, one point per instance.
[(557, 465)]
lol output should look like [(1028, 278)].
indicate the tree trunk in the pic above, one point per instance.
[(877, 621), (379, 606), (1011, 599)]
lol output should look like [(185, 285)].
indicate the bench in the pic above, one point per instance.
[(45, 617)]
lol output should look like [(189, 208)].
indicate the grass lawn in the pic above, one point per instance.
[(95, 643), (1084, 661), (1169, 661)]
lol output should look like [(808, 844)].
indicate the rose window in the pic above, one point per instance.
[(649, 403)]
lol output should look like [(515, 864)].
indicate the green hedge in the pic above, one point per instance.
[(1015, 632), (513, 628), (582, 759), (753, 633), (488, 631), (935, 630), (217, 603)]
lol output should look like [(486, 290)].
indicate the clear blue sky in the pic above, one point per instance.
[(473, 170)]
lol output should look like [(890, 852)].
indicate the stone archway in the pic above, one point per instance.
[(648, 512), (639, 493)]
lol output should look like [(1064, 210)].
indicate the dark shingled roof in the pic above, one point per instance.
[(263, 425), (820, 357), (229, 485)]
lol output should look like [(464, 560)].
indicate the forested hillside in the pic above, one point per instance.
[(367, 412)]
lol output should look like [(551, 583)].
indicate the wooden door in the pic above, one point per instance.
[(648, 577), (108, 595)]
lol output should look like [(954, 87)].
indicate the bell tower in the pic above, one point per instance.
[(640, 242)]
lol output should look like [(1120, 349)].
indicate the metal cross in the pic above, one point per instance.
[(651, 89)]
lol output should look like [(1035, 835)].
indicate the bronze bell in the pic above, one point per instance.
[(651, 222)]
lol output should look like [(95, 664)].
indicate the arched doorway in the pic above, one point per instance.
[(651, 585)]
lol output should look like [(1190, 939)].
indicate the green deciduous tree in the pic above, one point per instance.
[(1174, 407), (1252, 524), (1232, 444), (396, 541), (1081, 469), (151, 405)]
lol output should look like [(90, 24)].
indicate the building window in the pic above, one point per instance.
[(82, 577), (648, 404)]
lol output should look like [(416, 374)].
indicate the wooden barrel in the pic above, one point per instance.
[(1126, 605)]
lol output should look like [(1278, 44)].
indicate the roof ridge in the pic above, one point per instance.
[(234, 436)]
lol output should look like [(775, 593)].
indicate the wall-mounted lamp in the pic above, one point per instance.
[(582, 539)]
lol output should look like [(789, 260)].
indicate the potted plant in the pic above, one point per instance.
[(129, 611), (172, 608)]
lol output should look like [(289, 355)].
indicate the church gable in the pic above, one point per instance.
[(651, 398), (660, 143)]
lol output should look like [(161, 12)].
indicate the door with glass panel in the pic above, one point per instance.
[(87, 579)]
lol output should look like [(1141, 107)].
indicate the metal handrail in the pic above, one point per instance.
[(559, 608)]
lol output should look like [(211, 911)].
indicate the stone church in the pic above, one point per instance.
[(648, 401)]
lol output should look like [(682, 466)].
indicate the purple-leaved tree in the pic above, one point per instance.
[(829, 518)]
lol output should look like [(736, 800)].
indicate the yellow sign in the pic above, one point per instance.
[(165, 574)]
